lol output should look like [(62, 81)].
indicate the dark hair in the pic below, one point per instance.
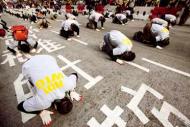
[(25, 48), (128, 56), (138, 36), (64, 105), (74, 27)]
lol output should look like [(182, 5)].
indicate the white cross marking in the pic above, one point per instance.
[(113, 117)]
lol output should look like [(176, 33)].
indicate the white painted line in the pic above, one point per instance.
[(59, 20), (39, 50), (113, 117), (6, 51), (73, 63), (54, 31), (127, 90), (18, 85), (138, 66), (138, 96), (74, 39), (92, 81), (164, 113), (167, 67), (82, 42)]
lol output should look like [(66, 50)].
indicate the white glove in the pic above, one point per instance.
[(75, 96), (45, 116)]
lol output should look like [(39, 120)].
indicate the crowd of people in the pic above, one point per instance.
[(53, 87)]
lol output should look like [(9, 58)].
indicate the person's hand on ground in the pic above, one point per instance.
[(75, 96), (45, 116)]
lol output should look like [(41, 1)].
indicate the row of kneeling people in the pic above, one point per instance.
[(34, 15)]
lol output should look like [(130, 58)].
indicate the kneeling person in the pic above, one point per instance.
[(52, 87), (118, 46), (94, 18), (69, 27), (24, 46), (120, 19), (153, 34)]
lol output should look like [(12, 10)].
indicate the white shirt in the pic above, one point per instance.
[(70, 16), (121, 17), (67, 24), (120, 41), (95, 16), (13, 44), (170, 17), (49, 81), (159, 32), (160, 22)]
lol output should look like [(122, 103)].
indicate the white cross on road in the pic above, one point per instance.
[(113, 117)]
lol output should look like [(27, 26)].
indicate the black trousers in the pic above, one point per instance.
[(108, 48), (116, 20), (19, 47), (66, 34), (20, 107)]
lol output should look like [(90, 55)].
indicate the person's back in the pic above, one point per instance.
[(160, 21), (67, 24), (159, 32), (120, 16), (118, 39), (95, 16), (48, 79)]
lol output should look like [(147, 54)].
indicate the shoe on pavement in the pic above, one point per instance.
[(97, 30), (158, 47), (119, 61)]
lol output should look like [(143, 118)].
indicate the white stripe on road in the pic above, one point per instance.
[(127, 90), (167, 67), (82, 42), (74, 39), (138, 66), (54, 31), (92, 80), (73, 63)]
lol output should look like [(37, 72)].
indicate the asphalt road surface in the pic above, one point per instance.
[(151, 91)]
